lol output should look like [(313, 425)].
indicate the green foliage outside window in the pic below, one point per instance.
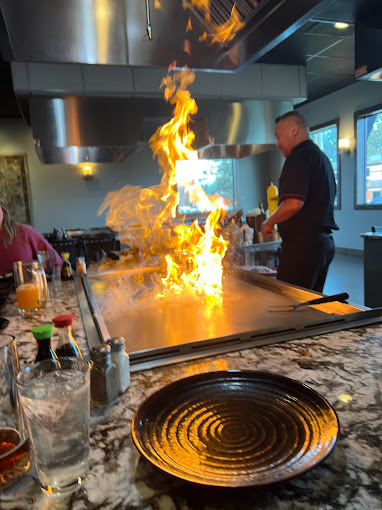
[(374, 140), (369, 168), (327, 139), (214, 176)]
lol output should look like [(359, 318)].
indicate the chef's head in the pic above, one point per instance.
[(291, 129)]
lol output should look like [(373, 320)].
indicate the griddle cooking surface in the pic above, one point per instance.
[(149, 323)]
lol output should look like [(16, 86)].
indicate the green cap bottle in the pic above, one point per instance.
[(43, 332), (43, 335)]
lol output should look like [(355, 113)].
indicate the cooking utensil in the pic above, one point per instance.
[(326, 299), (235, 428)]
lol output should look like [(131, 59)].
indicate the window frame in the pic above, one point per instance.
[(204, 215), (334, 122), (365, 112)]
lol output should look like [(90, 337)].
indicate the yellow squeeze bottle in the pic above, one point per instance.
[(272, 192)]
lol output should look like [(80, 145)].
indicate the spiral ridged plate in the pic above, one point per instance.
[(235, 428)]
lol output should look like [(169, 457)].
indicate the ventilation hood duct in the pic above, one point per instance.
[(134, 33), (75, 129)]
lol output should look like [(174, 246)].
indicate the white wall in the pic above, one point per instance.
[(59, 195), (342, 105)]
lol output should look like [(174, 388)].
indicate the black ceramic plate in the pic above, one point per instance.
[(235, 428)]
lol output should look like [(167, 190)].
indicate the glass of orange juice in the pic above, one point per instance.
[(31, 287)]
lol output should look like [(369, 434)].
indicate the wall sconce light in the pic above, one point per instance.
[(87, 172), (344, 146)]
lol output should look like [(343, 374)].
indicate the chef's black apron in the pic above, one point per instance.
[(306, 264)]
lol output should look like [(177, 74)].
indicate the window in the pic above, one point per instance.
[(326, 137), (213, 175), (369, 159)]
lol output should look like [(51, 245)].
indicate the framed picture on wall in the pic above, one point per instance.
[(14, 186)]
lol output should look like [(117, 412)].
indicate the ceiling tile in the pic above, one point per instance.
[(329, 29), (344, 49), (314, 44), (328, 65), (297, 47), (340, 10)]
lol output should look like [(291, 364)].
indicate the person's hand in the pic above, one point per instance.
[(267, 228)]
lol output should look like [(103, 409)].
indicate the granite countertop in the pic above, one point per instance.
[(342, 363)]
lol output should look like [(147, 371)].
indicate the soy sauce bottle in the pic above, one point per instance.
[(42, 335), (66, 345), (66, 269)]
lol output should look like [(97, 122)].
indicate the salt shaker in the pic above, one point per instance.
[(121, 360), (103, 375)]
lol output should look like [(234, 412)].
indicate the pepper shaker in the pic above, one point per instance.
[(103, 375), (121, 360)]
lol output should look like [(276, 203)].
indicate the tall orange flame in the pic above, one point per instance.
[(192, 254), (196, 264)]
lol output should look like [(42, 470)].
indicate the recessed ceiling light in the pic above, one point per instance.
[(340, 25)]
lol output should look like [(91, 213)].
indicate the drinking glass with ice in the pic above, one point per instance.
[(54, 395)]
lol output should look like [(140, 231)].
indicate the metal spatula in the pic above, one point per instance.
[(326, 299)]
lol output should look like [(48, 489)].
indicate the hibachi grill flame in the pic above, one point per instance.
[(224, 32), (193, 254), (196, 261)]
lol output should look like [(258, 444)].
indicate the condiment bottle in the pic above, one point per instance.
[(121, 360), (66, 345), (66, 269), (43, 334), (103, 376), (272, 192), (80, 266)]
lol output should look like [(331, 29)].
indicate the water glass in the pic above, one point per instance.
[(54, 395), (47, 259), (31, 287), (9, 366)]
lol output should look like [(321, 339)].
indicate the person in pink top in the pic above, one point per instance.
[(19, 242)]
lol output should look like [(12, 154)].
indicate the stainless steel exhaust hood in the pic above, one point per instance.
[(72, 128), (105, 32), (75, 129)]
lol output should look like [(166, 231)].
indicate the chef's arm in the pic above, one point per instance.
[(287, 209)]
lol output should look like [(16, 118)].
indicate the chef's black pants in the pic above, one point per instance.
[(306, 263)]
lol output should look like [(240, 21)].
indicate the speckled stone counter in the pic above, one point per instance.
[(343, 363)]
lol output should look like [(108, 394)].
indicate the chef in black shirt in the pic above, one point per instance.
[(305, 219)]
